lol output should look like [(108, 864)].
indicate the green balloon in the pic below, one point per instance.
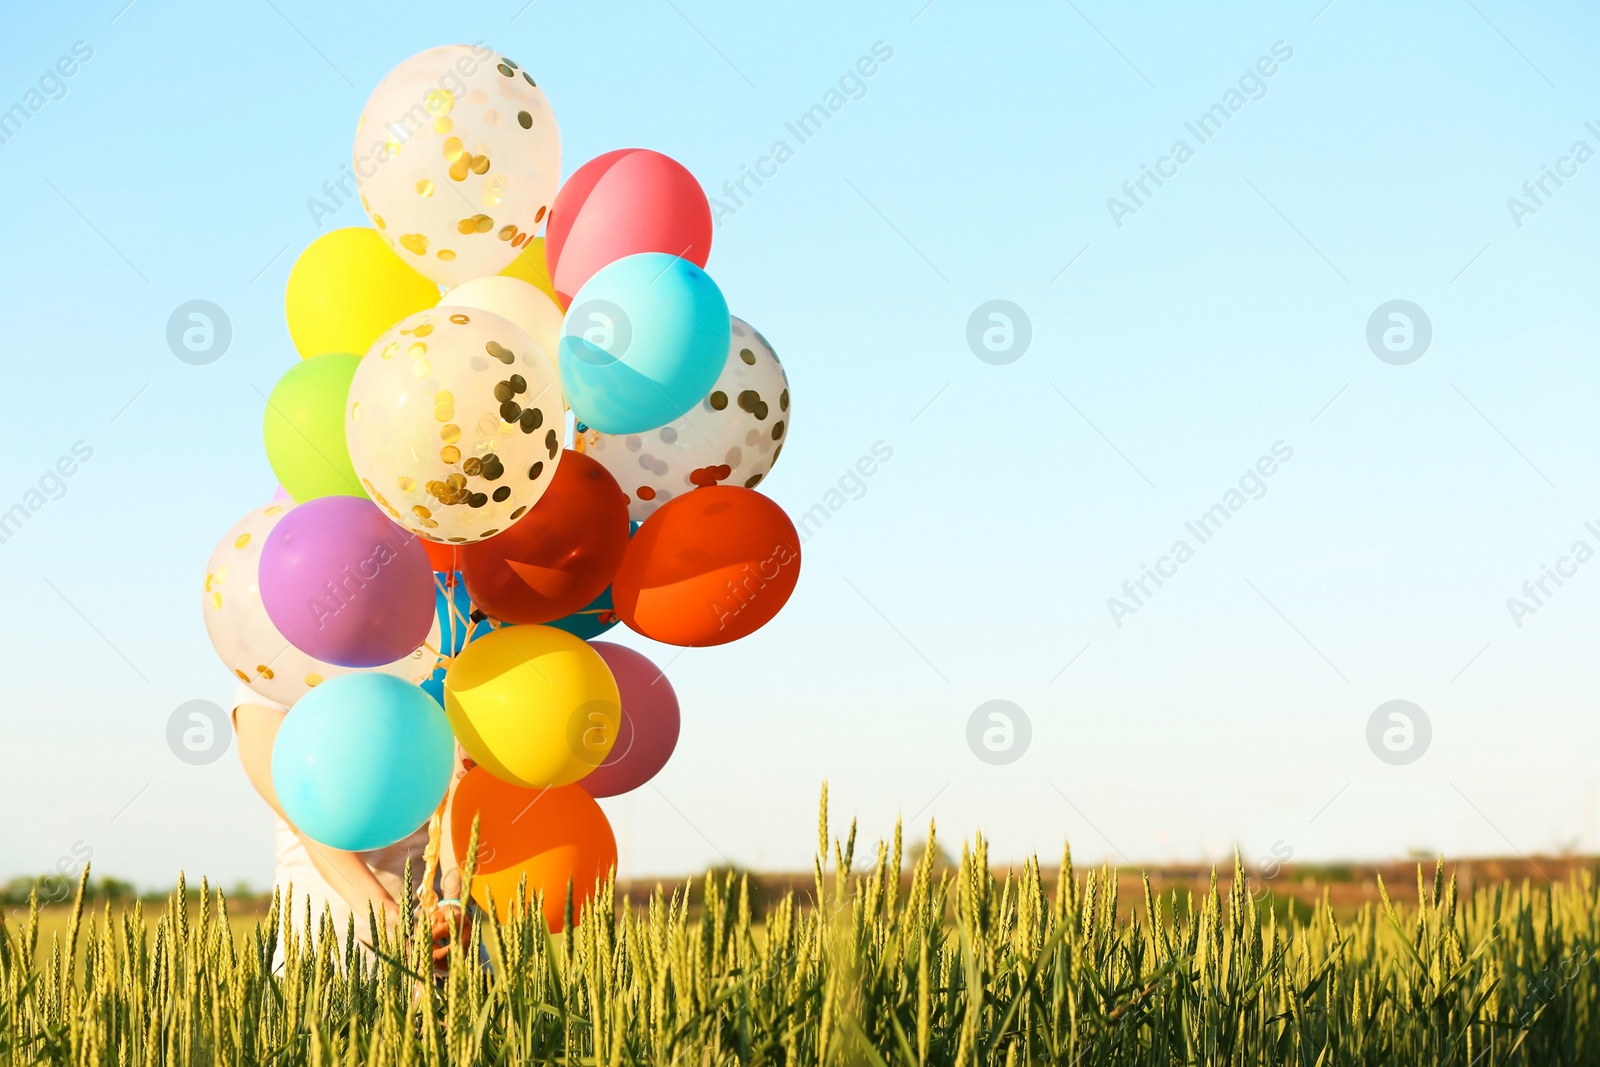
[(304, 429)]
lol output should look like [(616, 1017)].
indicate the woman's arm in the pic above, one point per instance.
[(346, 872)]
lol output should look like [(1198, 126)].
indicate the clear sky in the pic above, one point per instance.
[(1178, 337)]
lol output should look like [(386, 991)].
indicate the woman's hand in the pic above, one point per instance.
[(445, 915)]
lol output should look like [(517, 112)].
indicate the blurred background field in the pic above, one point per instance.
[(1292, 888)]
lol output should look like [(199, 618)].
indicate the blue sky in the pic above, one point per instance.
[(1225, 315)]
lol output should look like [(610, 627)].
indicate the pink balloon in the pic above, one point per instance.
[(622, 203), (280, 493), (649, 730), (344, 584)]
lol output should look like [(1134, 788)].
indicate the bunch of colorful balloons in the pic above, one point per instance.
[(497, 446)]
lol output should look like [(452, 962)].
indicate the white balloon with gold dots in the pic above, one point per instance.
[(455, 422), (458, 158), (732, 437)]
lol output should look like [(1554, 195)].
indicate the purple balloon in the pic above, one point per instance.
[(649, 729), (346, 585)]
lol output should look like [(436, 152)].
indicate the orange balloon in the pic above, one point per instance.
[(709, 567), (552, 836)]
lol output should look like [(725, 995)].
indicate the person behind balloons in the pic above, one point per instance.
[(344, 885)]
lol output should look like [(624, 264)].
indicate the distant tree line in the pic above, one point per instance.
[(54, 888)]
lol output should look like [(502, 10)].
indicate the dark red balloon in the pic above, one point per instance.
[(711, 566), (560, 555)]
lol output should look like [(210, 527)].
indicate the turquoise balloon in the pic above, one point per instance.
[(362, 761), (643, 342)]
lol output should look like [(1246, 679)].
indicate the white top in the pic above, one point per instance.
[(292, 864)]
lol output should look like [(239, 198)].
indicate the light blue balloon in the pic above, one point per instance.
[(362, 761), (643, 342)]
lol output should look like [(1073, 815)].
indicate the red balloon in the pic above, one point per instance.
[(711, 566), (560, 555), (619, 204), (444, 557)]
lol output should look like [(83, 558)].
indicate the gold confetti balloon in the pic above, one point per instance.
[(455, 423), (244, 637), (732, 437), (458, 159)]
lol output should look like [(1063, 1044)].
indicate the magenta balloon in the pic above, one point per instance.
[(346, 585), (649, 730)]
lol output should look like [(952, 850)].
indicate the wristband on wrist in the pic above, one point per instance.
[(449, 902)]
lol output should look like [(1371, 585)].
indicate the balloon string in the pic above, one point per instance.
[(430, 852), (430, 863), (459, 622), (442, 585)]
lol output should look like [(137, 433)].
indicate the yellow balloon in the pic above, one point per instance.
[(533, 705), (517, 302), (530, 265), (348, 287)]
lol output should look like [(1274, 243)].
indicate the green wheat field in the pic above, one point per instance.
[(954, 966)]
